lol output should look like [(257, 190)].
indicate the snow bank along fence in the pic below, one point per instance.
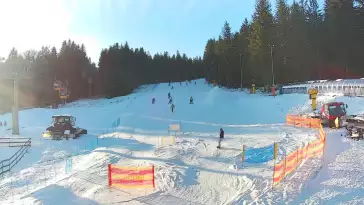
[(131, 177), (294, 159), (23, 143)]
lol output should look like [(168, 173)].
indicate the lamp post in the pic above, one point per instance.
[(241, 72), (15, 107), (271, 55), (15, 76), (89, 86)]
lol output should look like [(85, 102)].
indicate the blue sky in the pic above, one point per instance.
[(156, 25)]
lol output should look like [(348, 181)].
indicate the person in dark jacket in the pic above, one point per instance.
[(221, 137), (172, 107)]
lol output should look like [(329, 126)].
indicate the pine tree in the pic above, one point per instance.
[(282, 27), (226, 32), (260, 40)]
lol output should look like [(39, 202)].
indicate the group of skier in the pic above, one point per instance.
[(170, 102), (1, 124)]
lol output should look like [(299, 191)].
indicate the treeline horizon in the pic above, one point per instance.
[(298, 42)]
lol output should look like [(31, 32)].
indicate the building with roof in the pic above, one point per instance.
[(349, 87)]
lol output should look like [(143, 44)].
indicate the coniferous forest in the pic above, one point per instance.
[(299, 42)]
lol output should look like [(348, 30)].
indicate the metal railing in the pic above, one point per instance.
[(13, 141), (7, 164)]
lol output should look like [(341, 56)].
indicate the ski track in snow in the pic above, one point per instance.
[(191, 171)]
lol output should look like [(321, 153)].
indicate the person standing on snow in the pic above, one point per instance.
[(172, 107), (169, 95), (153, 100), (221, 137), (170, 101), (191, 100)]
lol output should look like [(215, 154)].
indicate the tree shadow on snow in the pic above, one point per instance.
[(130, 144), (219, 159), (58, 195), (176, 162)]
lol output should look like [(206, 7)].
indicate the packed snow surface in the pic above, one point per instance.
[(191, 171)]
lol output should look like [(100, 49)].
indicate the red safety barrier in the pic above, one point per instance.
[(131, 177)]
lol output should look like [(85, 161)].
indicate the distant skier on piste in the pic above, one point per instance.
[(169, 95), (221, 137), (191, 100), (153, 100), (172, 107)]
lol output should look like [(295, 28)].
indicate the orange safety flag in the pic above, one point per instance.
[(131, 177)]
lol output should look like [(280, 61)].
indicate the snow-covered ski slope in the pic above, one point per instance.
[(192, 171)]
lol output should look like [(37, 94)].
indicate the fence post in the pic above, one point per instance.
[(153, 177), (274, 165), (242, 155), (109, 174), (275, 151), (285, 163)]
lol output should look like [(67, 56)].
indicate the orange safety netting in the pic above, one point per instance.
[(295, 158), (131, 177), (302, 121)]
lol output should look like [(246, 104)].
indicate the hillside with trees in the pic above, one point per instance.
[(297, 42)]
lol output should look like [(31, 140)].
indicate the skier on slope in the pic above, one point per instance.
[(153, 100), (169, 95), (172, 107), (221, 137), (191, 100), (170, 101)]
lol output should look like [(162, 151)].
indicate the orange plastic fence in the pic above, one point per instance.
[(131, 177), (322, 133), (302, 121), (294, 159)]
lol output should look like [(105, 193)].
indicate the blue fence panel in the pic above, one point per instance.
[(259, 155), (68, 165)]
